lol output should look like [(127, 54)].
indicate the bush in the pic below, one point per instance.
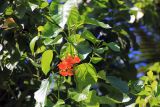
[(79, 53)]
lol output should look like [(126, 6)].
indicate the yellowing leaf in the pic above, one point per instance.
[(150, 75)]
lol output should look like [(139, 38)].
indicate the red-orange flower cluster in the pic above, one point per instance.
[(66, 65)]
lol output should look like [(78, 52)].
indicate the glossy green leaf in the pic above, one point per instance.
[(84, 49), (114, 46), (89, 36), (96, 59), (65, 11), (107, 100), (32, 43), (33, 6), (95, 22), (56, 40), (50, 30), (101, 50), (118, 83), (73, 19), (46, 61), (59, 103), (85, 75), (41, 94)]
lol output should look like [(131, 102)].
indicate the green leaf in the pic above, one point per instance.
[(96, 59), (43, 5), (84, 49), (46, 61), (40, 49), (33, 6), (92, 100), (50, 30), (150, 75), (107, 100), (56, 40), (102, 75), (89, 36), (53, 7), (118, 83), (75, 39), (93, 21), (155, 67), (41, 94), (8, 11), (101, 50), (85, 75), (73, 19), (114, 46), (65, 11), (32, 43), (59, 103), (80, 96), (66, 49)]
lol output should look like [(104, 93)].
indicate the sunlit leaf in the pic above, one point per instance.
[(56, 40), (50, 30), (46, 61), (59, 103), (89, 36), (67, 49), (33, 6), (9, 11), (32, 43), (95, 22), (65, 11), (96, 59), (41, 94), (85, 74)]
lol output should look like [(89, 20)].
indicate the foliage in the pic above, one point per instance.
[(77, 53)]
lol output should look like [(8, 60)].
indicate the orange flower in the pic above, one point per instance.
[(65, 73), (76, 59), (66, 66)]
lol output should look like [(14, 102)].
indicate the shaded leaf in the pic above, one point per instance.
[(84, 49), (114, 46), (118, 83)]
